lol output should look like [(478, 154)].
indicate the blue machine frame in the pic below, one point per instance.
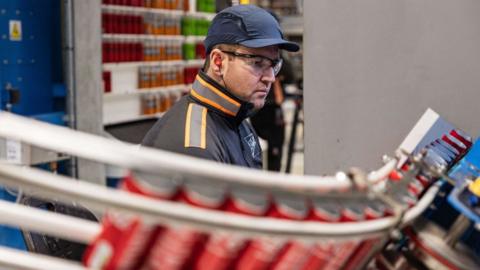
[(31, 78), (30, 56)]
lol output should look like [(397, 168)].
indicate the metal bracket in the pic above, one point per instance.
[(13, 96)]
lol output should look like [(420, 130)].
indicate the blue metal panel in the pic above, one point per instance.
[(27, 64), (9, 236), (31, 65), (56, 118)]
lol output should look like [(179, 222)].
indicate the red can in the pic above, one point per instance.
[(352, 211), (454, 142), (114, 23), (107, 81), (404, 196), (415, 187), (219, 252), (177, 248), (341, 254), (462, 136), (151, 186), (264, 253), (172, 249), (258, 254), (325, 211), (121, 245), (106, 52), (139, 51), (373, 210), (449, 147), (126, 239), (211, 196), (320, 253), (222, 249), (362, 255), (424, 180), (293, 253)]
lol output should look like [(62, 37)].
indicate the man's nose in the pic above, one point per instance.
[(268, 75)]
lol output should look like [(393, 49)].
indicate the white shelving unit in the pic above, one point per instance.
[(129, 118), (135, 37), (129, 37), (133, 92), (204, 15), (126, 106), (131, 9), (136, 65), (123, 104)]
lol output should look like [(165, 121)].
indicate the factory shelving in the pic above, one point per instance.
[(134, 92), (124, 97), (133, 65), (133, 9)]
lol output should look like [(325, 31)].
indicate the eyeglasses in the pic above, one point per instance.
[(259, 63)]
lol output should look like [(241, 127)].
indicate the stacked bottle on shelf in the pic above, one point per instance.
[(162, 24), (152, 31), (167, 4), (162, 50), (193, 26), (153, 103), (122, 22), (107, 81), (160, 76), (193, 50), (206, 6)]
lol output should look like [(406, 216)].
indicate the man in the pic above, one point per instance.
[(242, 46)]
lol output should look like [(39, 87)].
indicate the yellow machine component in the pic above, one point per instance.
[(474, 187)]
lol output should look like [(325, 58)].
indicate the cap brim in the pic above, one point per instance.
[(281, 43)]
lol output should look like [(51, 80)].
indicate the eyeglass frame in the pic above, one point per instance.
[(274, 62)]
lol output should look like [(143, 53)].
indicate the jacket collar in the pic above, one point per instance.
[(208, 92)]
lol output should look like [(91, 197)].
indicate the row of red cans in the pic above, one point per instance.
[(157, 247), (135, 3), (144, 246), (149, 23), (107, 81), (113, 52), (189, 74), (440, 153), (127, 51), (122, 24)]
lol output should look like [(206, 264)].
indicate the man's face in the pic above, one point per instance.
[(246, 77)]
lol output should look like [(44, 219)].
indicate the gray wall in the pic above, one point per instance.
[(372, 67), (87, 79)]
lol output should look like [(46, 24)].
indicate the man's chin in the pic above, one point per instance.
[(258, 105)]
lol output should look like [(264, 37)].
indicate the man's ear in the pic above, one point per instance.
[(217, 62)]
